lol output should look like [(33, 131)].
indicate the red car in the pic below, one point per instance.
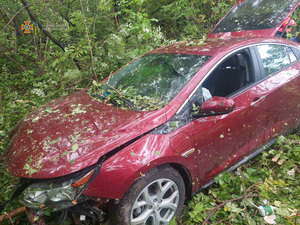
[(164, 126)]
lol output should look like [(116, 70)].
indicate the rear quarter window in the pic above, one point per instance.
[(296, 52), (292, 55)]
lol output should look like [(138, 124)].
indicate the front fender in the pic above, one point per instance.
[(120, 171)]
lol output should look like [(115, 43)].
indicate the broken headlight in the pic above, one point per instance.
[(56, 193)]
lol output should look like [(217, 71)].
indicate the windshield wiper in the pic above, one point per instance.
[(128, 103), (97, 95)]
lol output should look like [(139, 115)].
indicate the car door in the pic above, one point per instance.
[(222, 140), (280, 86)]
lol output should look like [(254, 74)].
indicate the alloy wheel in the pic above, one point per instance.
[(156, 204)]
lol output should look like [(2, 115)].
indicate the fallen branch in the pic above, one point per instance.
[(12, 214)]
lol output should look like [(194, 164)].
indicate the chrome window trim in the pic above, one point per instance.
[(222, 59)]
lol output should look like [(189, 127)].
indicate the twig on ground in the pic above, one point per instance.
[(222, 220), (245, 198), (253, 185), (224, 203), (9, 218)]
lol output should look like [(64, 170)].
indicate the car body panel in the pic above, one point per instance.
[(282, 98), (123, 168), (248, 33), (261, 111), (224, 137), (72, 133)]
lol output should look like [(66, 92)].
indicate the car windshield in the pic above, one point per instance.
[(150, 82), (255, 15)]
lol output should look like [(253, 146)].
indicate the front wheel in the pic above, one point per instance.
[(153, 199)]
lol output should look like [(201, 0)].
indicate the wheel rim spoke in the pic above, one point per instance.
[(164, 189), (139, 204), (141, 219), (147, 197), (169, 202), (157, 218), (171, 206)]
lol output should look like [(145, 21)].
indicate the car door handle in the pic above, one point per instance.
[(257, 100)]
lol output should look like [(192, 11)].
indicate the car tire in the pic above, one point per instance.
[(155, 198)]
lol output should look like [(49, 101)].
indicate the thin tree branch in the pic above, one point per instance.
[(245, 198), (88, 37), (47, 33), (20, 11), (116, 19), (223, 220), (9, 218), (12, 59)]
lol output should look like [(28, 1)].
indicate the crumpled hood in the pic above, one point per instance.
[(71, 133)]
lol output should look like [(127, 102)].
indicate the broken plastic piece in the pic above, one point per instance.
[(83, 180)]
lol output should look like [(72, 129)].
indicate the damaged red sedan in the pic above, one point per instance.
[(164, 126)]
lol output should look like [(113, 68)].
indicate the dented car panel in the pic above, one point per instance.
[(122, 169), (65, 135)]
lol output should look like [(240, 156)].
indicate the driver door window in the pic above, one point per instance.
[(230, 76)]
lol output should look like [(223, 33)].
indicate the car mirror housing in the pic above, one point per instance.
[(215, 106)]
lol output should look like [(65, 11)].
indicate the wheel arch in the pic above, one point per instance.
[(186, 176)]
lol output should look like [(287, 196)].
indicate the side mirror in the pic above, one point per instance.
[(215, 106)]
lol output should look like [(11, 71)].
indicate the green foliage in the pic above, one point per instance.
[(118, 98)]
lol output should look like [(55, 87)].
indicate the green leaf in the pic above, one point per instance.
[(75, 147), (65, 153)]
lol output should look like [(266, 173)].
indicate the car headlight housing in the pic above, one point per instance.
[(56, 193)]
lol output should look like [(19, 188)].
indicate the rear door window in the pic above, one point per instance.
[(274, 58)]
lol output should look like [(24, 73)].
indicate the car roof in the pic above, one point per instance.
[(212, 47)]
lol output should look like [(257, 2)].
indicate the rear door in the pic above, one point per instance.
[(280, 86), (254, 18)]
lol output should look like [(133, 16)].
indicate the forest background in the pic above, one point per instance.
[(74, 42)]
